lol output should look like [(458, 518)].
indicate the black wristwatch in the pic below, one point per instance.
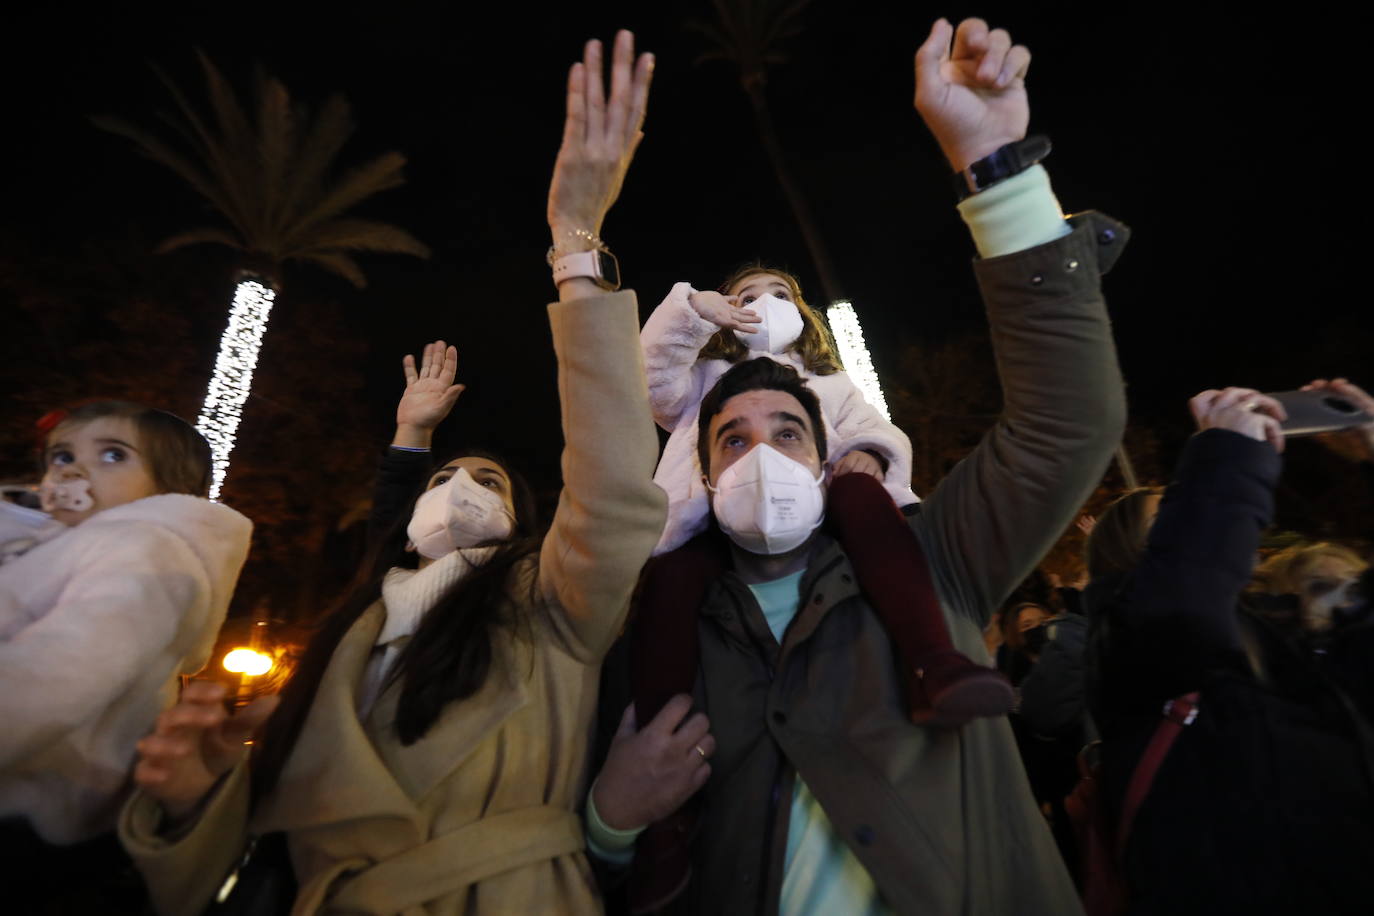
[(1004, 162)]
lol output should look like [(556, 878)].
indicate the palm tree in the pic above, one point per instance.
[(750, 34), (272, 178)]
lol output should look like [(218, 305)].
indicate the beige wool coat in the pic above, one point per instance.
[(479, 816)]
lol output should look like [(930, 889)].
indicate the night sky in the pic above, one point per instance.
[(1228, 144)]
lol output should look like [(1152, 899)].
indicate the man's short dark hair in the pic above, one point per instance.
[(753, 375)]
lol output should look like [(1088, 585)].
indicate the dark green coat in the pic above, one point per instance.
[(943, 820)]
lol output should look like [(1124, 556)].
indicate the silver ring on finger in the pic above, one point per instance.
[(697, 748)]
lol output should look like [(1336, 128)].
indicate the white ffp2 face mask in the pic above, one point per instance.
[(768, 503), (780, 328), (458, 513)]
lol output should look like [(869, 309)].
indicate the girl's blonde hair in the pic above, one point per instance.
[(1118, 539), (815, 346), (1283, 572)]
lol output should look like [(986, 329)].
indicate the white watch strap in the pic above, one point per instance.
[(582, 264)]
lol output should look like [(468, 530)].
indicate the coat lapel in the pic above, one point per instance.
[(335, 774), (461, 727)]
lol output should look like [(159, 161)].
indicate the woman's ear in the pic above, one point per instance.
[(410, 547)]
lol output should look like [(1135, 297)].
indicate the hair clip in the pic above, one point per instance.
[(51, 420)]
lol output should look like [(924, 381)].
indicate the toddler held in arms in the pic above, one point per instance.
[(97, 622)]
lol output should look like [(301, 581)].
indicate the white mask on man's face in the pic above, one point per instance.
[(768, 503), (458, 513), (780, 328)]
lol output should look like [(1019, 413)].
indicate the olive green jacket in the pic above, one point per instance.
[(943, 820)]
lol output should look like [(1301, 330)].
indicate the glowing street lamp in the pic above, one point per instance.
[(247, 662)]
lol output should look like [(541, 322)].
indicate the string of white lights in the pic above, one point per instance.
[(233, 378), (849, 337)]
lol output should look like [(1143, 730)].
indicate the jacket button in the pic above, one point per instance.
[(1071, 265), (779, 717), (864, 834), (1037, 279), (1107, 236)]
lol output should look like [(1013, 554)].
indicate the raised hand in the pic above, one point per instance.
[(650, 772), (600, 134), (429, 395), (1241, 410), (724, 311), (1358, 441), (195, 743), (973, 97)]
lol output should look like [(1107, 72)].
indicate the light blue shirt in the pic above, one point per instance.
[(821, 875)]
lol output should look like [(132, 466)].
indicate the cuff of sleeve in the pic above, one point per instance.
[(605, 842), (407, 448), (1013, 215), (697, 326)]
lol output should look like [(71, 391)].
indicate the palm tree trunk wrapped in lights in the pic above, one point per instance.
[(849, 337), (272, 178), (233, 376)]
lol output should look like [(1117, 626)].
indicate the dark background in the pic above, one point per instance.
[(1228, 143)]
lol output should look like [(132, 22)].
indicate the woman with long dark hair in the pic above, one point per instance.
[(429, 753)]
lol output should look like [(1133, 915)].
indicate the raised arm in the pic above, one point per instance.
[(429, 396), (672, 339), (609, 513), (1175, 616), (1001, 509)]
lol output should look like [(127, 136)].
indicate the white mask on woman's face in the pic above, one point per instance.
[(780, 328), (768, 503), (458, 513)]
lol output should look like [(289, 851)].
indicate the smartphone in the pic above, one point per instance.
[(1312, 412)]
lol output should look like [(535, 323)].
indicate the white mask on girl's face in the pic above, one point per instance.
[(768, 503), (458, 513), (780, 328)]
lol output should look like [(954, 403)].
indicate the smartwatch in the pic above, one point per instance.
[(597, 265)]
